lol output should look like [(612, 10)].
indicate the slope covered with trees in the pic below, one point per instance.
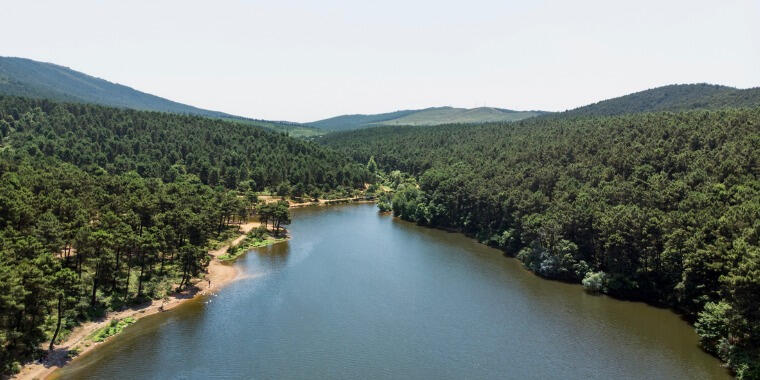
[(662, 207), (677, 97), (104, 207), (160, 145), (28, 78), (427, 116), (25, 77), (350, 122), (450, 115)]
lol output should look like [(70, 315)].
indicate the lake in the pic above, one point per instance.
[(356, 294)]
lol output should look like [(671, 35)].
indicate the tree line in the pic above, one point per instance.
[(163, 145), (102, 207), (661, 207)]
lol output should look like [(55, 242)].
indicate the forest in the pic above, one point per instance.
[(660, 207), (675, 97), (103, 207)]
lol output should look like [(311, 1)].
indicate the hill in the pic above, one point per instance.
[(427, 116), (660, 206), (33, 79), (677, 97), (102, 207), (450, 115), (349, 122)]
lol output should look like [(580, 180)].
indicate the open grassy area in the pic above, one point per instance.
[(116, 326), (255, 239)]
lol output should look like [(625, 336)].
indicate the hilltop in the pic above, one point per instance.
[(28, 78), (676, 97), (427, 116)]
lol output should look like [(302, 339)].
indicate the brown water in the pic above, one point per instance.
[(356, 294)]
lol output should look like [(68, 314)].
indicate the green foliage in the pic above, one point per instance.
[(288, 128), (372, 165), (595, 282), (114, 327), (165, 146), (102, 208), (384, 202), (427, 116), (678, 97), (661, 207), (666, 98), (255, 239), (349, 122), (278, 213), (712, 326), (722, 332), (558, 260), (25, 77), (450, 115), (28, 78)]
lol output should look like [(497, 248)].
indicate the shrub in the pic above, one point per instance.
[(712, 325), (595, 282)]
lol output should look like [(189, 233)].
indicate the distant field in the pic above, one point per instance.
[(428, 116), (447, 115), (292, 129)]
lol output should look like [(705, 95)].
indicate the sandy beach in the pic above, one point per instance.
[(217, 276)]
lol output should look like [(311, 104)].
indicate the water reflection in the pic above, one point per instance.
[(274, 256), (355, 294)]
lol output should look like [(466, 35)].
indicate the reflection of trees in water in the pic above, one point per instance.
[(274, 256)]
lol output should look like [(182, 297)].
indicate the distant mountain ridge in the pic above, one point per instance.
[(34, 79), (29, 78), (355, 121), (675, 97), (427, 116)]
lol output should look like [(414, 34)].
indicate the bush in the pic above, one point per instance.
[(559, 264), (712, 325), (113, 328), (595, 282)]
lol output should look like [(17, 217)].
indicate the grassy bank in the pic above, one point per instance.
[(116, 326), (258, 237)]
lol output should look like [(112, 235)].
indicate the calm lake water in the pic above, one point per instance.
[(358, 295)]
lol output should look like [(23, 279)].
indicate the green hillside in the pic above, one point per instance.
[(662, 207), (349, 122), (103, 207), (677, 97), (33, 79), (292, 129), (450, 115), (428, 116)]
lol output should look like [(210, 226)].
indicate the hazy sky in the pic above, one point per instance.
[(302, 61)]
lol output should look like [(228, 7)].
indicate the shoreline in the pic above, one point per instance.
[(218, 275), (318, 202), (643, 301)]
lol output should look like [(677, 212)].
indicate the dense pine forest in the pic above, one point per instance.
[(661, 207), (675, 97), (41, 80), (103, 207)]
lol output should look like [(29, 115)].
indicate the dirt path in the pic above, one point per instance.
[(325, 202), (318, 202), (217, 276)]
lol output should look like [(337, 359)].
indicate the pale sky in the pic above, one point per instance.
[(308, 60)]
